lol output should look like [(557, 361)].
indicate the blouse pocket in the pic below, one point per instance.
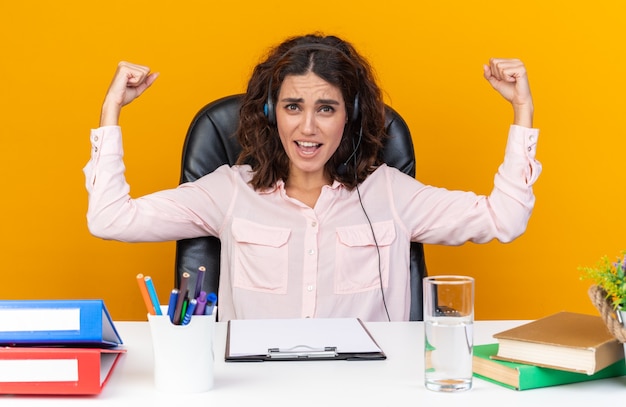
[(260, 261), (356, 266)]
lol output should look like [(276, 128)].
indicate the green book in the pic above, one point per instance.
[(521, 376)]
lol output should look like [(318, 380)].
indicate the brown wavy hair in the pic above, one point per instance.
[(341, 66)]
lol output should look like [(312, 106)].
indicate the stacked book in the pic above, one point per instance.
[(562, 348), (56, 346)]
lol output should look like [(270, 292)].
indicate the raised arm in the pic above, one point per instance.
[(508, 77), (171, 214), (129, 82)]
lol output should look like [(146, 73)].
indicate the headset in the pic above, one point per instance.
[(270, 112)]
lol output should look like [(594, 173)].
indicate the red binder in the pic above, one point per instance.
[(62, 370)]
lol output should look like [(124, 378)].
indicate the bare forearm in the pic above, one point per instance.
[(523, 115), (110, 114)]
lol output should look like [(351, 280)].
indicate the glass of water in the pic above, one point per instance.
[(448, 332)]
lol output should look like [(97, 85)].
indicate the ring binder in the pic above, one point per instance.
[(57, 322), (302, 352)]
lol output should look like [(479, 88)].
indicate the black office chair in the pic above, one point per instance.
[(210, 144)]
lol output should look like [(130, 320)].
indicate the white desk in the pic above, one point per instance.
[(397, 381)]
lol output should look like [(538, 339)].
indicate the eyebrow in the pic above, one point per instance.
[(319, 101)]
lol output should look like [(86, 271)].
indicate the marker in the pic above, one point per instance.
[(211, 299), (190, 309), (144, 293), (201, 303), (199, 280), (153, 295), (182, 294), (183, 310), (171, 307)]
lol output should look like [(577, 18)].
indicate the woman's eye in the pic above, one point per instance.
[(327, 109), (292, 107)]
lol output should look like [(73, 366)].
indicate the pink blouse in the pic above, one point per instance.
[(283, 259)]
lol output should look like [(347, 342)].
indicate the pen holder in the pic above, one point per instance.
[(183, 354)]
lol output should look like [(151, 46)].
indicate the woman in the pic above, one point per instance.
[(312, 223)]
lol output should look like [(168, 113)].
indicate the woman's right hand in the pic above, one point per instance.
[(129, 82)]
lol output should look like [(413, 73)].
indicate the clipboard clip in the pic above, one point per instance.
[(303, 352)]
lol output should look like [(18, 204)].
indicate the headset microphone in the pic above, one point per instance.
[(342, 169)]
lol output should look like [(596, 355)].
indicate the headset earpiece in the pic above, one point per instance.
[(268, 111), (355, 110)]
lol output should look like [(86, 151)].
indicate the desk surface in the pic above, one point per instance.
[(398, 379)]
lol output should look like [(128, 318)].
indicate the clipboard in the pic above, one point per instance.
[(306, 339)]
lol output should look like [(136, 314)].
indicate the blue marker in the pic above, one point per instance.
[(211, 299), (190, 308), (171, 308), (153, 295)]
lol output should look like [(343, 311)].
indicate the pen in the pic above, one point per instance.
[(201, 303), (153, 295), (190, 309), (171, 307), (144, 293), (199, 279), (182, 294), (211, 299)]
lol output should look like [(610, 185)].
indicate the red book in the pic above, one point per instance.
[(59, 370)]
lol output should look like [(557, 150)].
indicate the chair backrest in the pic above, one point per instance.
[(210, 144)]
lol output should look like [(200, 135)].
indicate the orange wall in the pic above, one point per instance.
[(58, 57)]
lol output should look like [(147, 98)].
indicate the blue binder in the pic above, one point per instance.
[(57, 322)]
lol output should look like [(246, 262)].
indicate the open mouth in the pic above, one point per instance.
[(308, 147)]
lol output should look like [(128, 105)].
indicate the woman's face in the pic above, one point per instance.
[(311, 116)]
